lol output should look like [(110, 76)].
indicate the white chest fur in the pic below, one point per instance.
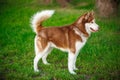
[(80, 44), (72, 57)]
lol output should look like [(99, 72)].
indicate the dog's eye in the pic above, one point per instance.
[(91, 22)]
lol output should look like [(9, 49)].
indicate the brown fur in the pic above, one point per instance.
[(63, 37)]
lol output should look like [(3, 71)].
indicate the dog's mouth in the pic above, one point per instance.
[(93, 30)]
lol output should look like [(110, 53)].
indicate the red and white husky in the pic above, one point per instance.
[(70, 38)]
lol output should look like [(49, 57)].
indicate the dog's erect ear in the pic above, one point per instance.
[(86, 16), (79, 20), (83, 18)]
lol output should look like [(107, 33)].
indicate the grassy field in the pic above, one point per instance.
[(98, 60)]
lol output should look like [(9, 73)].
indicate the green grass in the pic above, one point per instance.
[(98, 60)]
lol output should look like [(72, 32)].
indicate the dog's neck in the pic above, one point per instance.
[(77, 31), (84, 32)]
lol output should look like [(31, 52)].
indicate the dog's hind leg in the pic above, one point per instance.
[(36, 59), (40, 51), (42, 55), (45, 56)]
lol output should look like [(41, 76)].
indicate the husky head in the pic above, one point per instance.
[(86, 23), (90, 24)]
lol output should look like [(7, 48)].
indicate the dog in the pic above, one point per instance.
[(70, 38)]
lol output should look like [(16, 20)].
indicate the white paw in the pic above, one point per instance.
[(72, 72), (47, 63), (75, 68), (36, 70)]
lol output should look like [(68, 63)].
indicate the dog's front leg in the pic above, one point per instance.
[(71, 59), (75, 68)]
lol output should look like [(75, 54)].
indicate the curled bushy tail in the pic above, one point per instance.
[(39, 17)]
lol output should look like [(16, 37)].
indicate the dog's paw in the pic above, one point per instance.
[(75, 68), (47, 63), (36, 70), (72, 72)]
